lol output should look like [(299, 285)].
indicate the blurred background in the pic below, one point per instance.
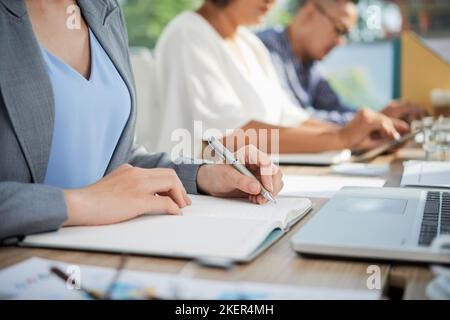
[(362, 72), (378, 20)]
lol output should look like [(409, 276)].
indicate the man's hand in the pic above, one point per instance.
[(368, 129), (404, 110), (222, 180)]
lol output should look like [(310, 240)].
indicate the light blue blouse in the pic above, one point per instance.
[(90, 115)]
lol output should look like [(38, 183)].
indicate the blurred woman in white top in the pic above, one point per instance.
[(214, 76)]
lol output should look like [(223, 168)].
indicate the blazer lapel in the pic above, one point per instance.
[(101, 15), (26, 88)]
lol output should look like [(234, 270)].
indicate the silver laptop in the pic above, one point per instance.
[(379, 223)]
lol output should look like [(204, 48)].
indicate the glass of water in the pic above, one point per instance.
[(437, 140)]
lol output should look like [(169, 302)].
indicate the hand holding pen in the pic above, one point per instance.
[(249, 172)]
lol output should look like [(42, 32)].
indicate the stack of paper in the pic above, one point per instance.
[(324, 186)]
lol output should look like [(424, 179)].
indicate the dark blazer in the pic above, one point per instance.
[(27, 118)]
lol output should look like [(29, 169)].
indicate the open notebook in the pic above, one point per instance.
[(231, 229)]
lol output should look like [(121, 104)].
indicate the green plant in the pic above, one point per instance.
[(146, 19)]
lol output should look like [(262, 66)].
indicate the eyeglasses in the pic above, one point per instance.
[(339, 28)]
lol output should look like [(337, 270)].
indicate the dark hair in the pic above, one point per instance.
[(221, 3)]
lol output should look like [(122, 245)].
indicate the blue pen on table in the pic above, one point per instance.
[(225, 154)]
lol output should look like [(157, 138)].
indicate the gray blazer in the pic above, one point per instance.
[(27, 115)]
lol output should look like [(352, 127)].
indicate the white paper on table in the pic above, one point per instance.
[(361, 169), (435, 174), (31, 279), (324, 186)]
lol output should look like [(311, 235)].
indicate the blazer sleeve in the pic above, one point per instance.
[(29, 208)]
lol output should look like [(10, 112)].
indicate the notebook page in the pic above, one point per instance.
[(175, 236), (210, 227), (242, 209)]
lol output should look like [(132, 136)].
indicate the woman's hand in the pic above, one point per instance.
[(124, 194), (221, 180), (368, 129)]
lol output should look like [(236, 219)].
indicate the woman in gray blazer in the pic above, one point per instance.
[(67, 122)]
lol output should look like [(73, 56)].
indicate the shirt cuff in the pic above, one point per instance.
[(188, 176)]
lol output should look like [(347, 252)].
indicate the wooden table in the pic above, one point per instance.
[(279, 264)]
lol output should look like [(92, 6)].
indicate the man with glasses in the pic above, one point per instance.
[(317, 28)]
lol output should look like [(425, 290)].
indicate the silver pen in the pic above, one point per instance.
[(225, 154)]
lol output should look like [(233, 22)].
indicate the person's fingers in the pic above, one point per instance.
[(401, 126), (366, 122), (261, 200), (251, 155), (385, 128), (369, 124), (161, 204), (167, 181), (268, 171), (253, 198), (278, 183), (267, 182), (258, 199), (389, 128), (403, 106), (276, 180), (419, 112), (405, 111), (243, 183), (187, 199), (179, 194), (370, 144), (411, 111)]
